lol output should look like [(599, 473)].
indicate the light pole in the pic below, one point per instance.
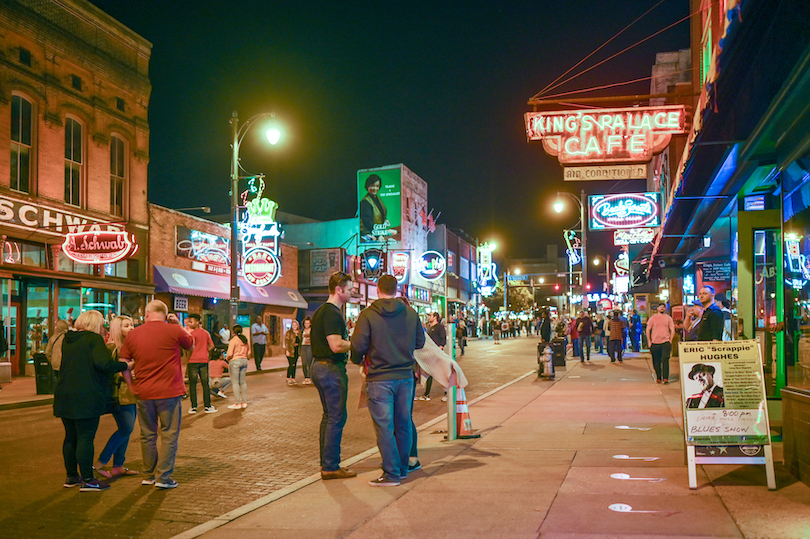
[(583, 227), (273, 136)]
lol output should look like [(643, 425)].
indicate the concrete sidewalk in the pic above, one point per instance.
[(552, 460)]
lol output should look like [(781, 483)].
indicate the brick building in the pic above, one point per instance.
[(190, 268), (74, 149)]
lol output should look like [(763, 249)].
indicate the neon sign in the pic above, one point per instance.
[(633, 236), (261, 267), (630, 135), (99, 247), (401, 265), (626, 210), (432, 265)]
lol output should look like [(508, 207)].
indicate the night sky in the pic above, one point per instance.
[(439, 86)]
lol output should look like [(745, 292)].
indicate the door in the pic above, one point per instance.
[(768, 298), (11, 320)]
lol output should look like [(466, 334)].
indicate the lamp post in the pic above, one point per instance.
[(558, 207), (273, 136)]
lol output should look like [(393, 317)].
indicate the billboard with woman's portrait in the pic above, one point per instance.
[(380, 204)]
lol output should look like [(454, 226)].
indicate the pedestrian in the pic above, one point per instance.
[(306, 350), (386, 335), (237, 356), (155, 347), (725, 306), (693, 322), (712, 323), (496, 332), (625, 330), (330, 347), (572, 330), (660, 331), (585, 329), (635, 330), (54, 349), (198, 363), (461, 335), (545, 327), (505, 328), (292, 347), (218, 377), (616, 330), (82, 395), (224, 335), (438, 334), (126, 411), (599, 334), (258, 334)]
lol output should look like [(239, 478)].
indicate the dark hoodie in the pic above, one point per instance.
[(387, 333), (83, 390)]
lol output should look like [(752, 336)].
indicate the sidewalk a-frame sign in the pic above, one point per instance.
[(725, 411)]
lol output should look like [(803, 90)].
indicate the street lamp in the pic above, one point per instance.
[(273, 136), (558, 207)]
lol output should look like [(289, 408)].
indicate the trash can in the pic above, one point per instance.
[(558, 352), (46, 377)]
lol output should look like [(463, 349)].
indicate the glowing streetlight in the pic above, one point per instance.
[(596, 261), (541, 280), (273, 135), (559, 206), (517, 271)]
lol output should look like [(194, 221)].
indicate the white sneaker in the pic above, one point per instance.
[(236, 406), (192, 410), (444, 399), (210, 410)]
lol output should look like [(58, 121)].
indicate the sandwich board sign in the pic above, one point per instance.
[(725, 411)]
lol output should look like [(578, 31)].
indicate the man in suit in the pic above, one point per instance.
[(712, 394)]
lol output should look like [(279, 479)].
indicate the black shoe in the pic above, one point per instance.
[(94, 485), (414, 467), (72, 482)]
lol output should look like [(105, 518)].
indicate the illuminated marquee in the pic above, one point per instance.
[(99, 247), (633, 236), (432, 265), (631, 135), (401, 265), (261, 267), (625, 210)]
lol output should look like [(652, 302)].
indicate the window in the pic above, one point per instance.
[(76, 82), (119, 104), (25, 57), (21, 129), (73, 161), (117, 176)]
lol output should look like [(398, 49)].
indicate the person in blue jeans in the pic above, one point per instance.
[(127, 410), (330, 347), (385, 336)]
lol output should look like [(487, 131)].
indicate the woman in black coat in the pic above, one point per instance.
[(82, 395)]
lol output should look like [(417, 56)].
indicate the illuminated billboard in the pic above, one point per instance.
[(624, 210), (380, 204), (627, 135)]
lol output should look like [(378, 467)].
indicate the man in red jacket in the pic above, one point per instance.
[(158, 383)]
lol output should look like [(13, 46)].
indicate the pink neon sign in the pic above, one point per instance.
[(99, 247)]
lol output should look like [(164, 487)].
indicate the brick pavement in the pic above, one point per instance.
[(225, 459)]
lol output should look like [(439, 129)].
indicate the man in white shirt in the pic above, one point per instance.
[(258, 332)]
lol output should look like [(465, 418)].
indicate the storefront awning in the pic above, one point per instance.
[(193, 283)]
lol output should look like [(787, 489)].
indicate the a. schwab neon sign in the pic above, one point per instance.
[(631, 135), (626, 210)]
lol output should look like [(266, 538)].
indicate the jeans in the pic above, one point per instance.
[(414, 449), (598, 344), (585, 347), (292, 363), (461, 343), (77, 448), (428, 385), (660, 357), (575, 344), (390, 405), (119, 441), (258, 355), (306, 360), (193, 370), (635, 339), (237, 368), (165, 415), (614, 349), (220, 384), (333, 385)]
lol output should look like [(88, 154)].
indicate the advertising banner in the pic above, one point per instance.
[(605, 172), (379, 198), (322, 264), (723, 393), (625, 210)]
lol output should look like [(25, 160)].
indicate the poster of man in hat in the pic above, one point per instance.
[(705, 387)]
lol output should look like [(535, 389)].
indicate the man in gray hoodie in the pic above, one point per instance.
[(386, 334)]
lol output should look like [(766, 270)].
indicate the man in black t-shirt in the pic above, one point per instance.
[(330, 347)]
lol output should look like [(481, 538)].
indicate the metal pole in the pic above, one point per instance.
[(584, 228), (234, 221), (505, 293)]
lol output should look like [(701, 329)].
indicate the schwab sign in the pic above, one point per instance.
[(431, 265), (625, 210), (101, 247), (627, 135)]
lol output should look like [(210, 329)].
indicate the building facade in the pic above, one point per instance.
[(74, 149)]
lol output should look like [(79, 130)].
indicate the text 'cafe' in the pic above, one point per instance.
[(57, 263)]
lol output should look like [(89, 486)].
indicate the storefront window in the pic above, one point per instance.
[(797, 300), (25, 253), (765, 302), (37, 299), (103, 301), (69, 304), (133, 305)]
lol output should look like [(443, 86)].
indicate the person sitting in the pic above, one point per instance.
[(218, 376)]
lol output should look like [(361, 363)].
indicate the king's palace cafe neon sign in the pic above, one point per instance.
[(628, 135)]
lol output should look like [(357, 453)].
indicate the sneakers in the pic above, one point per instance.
[(221, 395), (422, 398), (236, 406), (166, 483), (658, 381), (192, 410), (72, 482), (444, 399), (414, 467), (383, 482), (210, 410), (94, 485), (666, 381), (342, 473), (148, 482), (244, 406)]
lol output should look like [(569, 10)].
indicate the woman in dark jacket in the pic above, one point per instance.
[(82, 395)]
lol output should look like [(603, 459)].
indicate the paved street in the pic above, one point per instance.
[(225, 459)]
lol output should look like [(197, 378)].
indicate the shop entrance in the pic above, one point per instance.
[(768, 306), (10, 320)]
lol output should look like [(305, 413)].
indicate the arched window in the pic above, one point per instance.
[(73, 162), (118, 175), (22, 128)]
